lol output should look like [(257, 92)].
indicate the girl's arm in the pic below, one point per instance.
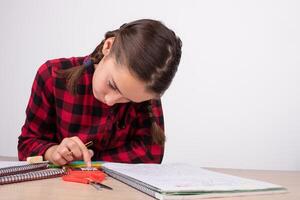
[(38, 132)]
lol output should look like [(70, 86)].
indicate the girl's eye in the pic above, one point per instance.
[(111, 85)]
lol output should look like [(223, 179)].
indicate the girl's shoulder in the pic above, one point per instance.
[(65, 63), (51, 66)]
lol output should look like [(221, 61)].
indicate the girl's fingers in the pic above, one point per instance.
[(84, 150), (58, 159), (71, 149), (74, 149), (64, 153), (91, 152)]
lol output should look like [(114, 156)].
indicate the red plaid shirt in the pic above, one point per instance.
[(120, 133)]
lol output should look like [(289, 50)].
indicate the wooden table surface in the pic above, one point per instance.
[(56, 188)]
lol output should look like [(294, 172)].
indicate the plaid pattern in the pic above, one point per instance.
[(120, 133)]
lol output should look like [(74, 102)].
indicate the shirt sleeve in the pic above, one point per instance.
[(38, 131), (141, 148)]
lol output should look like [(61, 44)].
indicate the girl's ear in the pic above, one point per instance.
[(107, 45)]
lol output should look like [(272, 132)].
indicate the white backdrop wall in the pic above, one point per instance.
[(235, 101)]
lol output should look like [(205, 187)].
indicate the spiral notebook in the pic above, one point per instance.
[(13, 172), (183, 181)]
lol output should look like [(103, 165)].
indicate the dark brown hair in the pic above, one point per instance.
[(149, 49)]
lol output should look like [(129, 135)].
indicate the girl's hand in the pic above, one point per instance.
[(68, 150)]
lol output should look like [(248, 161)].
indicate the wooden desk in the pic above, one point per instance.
[(57, 189)]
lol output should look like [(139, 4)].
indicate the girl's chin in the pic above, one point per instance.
[(102, 101)]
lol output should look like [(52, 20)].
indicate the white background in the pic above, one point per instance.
[(235, 101)]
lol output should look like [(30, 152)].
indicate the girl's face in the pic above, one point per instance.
[(113, 83)]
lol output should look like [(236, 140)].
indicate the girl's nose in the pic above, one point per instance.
[(111, 99)]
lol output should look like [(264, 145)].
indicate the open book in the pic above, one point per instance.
[(182, 181)]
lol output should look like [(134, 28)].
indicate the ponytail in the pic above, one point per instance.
[(158, 135), (72, 75)]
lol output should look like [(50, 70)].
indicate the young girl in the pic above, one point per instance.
[(111, 97)]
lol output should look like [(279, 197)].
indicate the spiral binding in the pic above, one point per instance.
[(141, 186), (22, 169), (30, 176), (28, 172)]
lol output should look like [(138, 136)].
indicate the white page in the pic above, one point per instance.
[(183, 177)]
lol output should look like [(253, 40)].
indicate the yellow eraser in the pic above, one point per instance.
[(35, 159)]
